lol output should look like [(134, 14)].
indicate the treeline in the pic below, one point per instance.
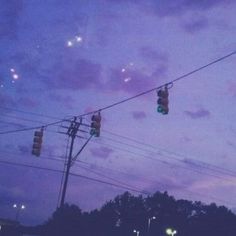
[(150, 216)]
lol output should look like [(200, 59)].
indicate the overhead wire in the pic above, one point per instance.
[(148, 180), (107, 177), (189, 168), (169, 154), (165, 162), (73, 174), (29, 113), (102, 181), (132, 97), (200, 163), (79, 162), (184, 161)]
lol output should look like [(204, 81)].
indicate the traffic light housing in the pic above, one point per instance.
[(96, 124), (37, 144), (163, 101)]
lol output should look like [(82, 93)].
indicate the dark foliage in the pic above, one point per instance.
[(119, 217)]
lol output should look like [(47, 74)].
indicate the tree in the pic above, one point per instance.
[(65, 221)]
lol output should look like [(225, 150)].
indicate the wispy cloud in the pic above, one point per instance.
[(195, 24), (66, 101), (132, 81), (101, 152), (201, 113), (178, 7), (28, 102), (9, 15), (139, 115), (76, 74), (7, 100)]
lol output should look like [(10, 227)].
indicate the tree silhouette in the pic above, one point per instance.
[(126, 212), (65, 221)]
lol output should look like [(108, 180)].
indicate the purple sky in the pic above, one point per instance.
[(61, 58)]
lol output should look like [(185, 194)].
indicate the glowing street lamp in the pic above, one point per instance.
[(149, 223), (137, 232), (171, 232), (18, 209)]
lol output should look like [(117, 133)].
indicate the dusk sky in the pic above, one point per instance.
[(65, 58)]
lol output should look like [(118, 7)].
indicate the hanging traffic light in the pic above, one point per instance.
[(95, 124), (163, 101), (38, 139)]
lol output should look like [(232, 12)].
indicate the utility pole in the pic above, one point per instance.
[(72, 131)]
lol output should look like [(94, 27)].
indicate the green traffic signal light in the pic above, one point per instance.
[(162, 110), (159, 109)]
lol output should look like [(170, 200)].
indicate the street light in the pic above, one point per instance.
[(149, 223), (171, 232), (18, 208), (137, 232)]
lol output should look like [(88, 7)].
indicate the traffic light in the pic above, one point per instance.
[(95, 124), (163, 101), (38, 139)]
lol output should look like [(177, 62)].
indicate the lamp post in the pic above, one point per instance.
[(171, 232), (137, 232), (149, 223), (18, 208)]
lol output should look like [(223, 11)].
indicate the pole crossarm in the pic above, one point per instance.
[(72, 133), (81, 149)]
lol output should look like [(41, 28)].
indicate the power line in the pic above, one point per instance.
[(23, 119), (105, 176), (78, 162), (186, 190), (165, 162), (130, 98), (102, 181), (73, 174), (124, 173), (198, 163), (167, 154), (29, 113), (191, 168), (170, 82)]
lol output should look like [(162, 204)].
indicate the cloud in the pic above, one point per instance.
[(195, 24), (75, 74), (177, 8), (231, 144), (192, 163), (201, 113), (186, 139), (152, 54), (101, 152), (7, 100), (139, 115), (23, 149), (158, 58), (66, 101), (28, 102), (131, 81), (231, 88), (9, 15)]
